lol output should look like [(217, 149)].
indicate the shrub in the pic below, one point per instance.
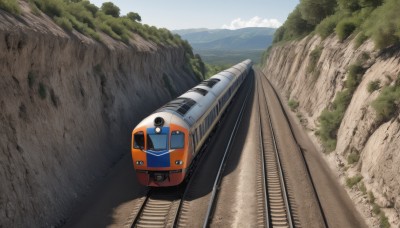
[(81, 13), (314, 11), (330, 119), (373, 85), (344, 28), (353, 158), (91, 7), (354, 76), (293, 104), (351, 181), (376, 209), (42, 91), (110, 9), (360, 39), (384, 222), (10, 6), (362, 188), (371, 197), (53, 8), (314, 58), (384, 32), (386, 103), (327, 26), (134, 16), (63, 23)]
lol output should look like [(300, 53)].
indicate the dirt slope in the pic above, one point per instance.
[(68, 105)]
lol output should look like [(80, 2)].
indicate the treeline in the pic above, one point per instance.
[(375, 19), (88, 19)]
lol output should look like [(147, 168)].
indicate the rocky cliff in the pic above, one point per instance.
[(68, 105), (311, 73)]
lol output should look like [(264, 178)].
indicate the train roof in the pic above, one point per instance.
[(191, 105)]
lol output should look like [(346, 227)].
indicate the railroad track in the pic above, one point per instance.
[(160, 208), (164, 207), (277, 211)]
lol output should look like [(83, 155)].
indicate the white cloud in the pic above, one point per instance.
[(253, 22)]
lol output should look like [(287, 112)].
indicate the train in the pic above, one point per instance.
[(165, 143)]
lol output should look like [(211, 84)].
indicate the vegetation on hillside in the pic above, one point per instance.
[(375, 19), (331, 117), (387, 103), (88, 19), (10, 6)]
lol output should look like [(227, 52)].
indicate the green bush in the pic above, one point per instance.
[(386, 104), (110, 9), (314, 58), (345, 28), (376, 209), (53, 8), (376, 19), (354, 76), (360, 39), (373, 85), (384, 31), (384, 221), (327, 26), (63, 23), (362, 188), (10, 6), (371, 197), (351, 181), (330, 119), (294, 27), (353, 158), (134, 16), (82, 14), (293, 104), (314, 11)]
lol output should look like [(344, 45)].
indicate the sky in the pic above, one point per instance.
[(212, 14)]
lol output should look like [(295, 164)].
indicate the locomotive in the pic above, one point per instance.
[(165, 143)]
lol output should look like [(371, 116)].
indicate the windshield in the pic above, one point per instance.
[(177, 140), (138, 140), (156, 142)]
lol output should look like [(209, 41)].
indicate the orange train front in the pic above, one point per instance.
[(160, 150), (165, 143)]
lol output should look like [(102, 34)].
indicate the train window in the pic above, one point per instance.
[(157, 142), (177, 140), (138, 140)]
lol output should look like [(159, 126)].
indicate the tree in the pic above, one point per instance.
[(349, 5), (110, 9), (296, 26), (134, 16), (314, 11)]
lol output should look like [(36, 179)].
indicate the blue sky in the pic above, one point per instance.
[(183, 14)]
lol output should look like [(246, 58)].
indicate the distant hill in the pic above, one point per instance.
[(224, 46)]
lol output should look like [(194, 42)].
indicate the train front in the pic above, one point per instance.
[(160, 145)]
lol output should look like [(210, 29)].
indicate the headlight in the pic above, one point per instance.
[(178, 162), (139, 162)]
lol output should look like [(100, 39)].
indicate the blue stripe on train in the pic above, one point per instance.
[(158, 161)]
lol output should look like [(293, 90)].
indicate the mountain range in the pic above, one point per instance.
[(224, 46)]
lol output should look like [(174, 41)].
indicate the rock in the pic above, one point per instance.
[(376, 142)]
